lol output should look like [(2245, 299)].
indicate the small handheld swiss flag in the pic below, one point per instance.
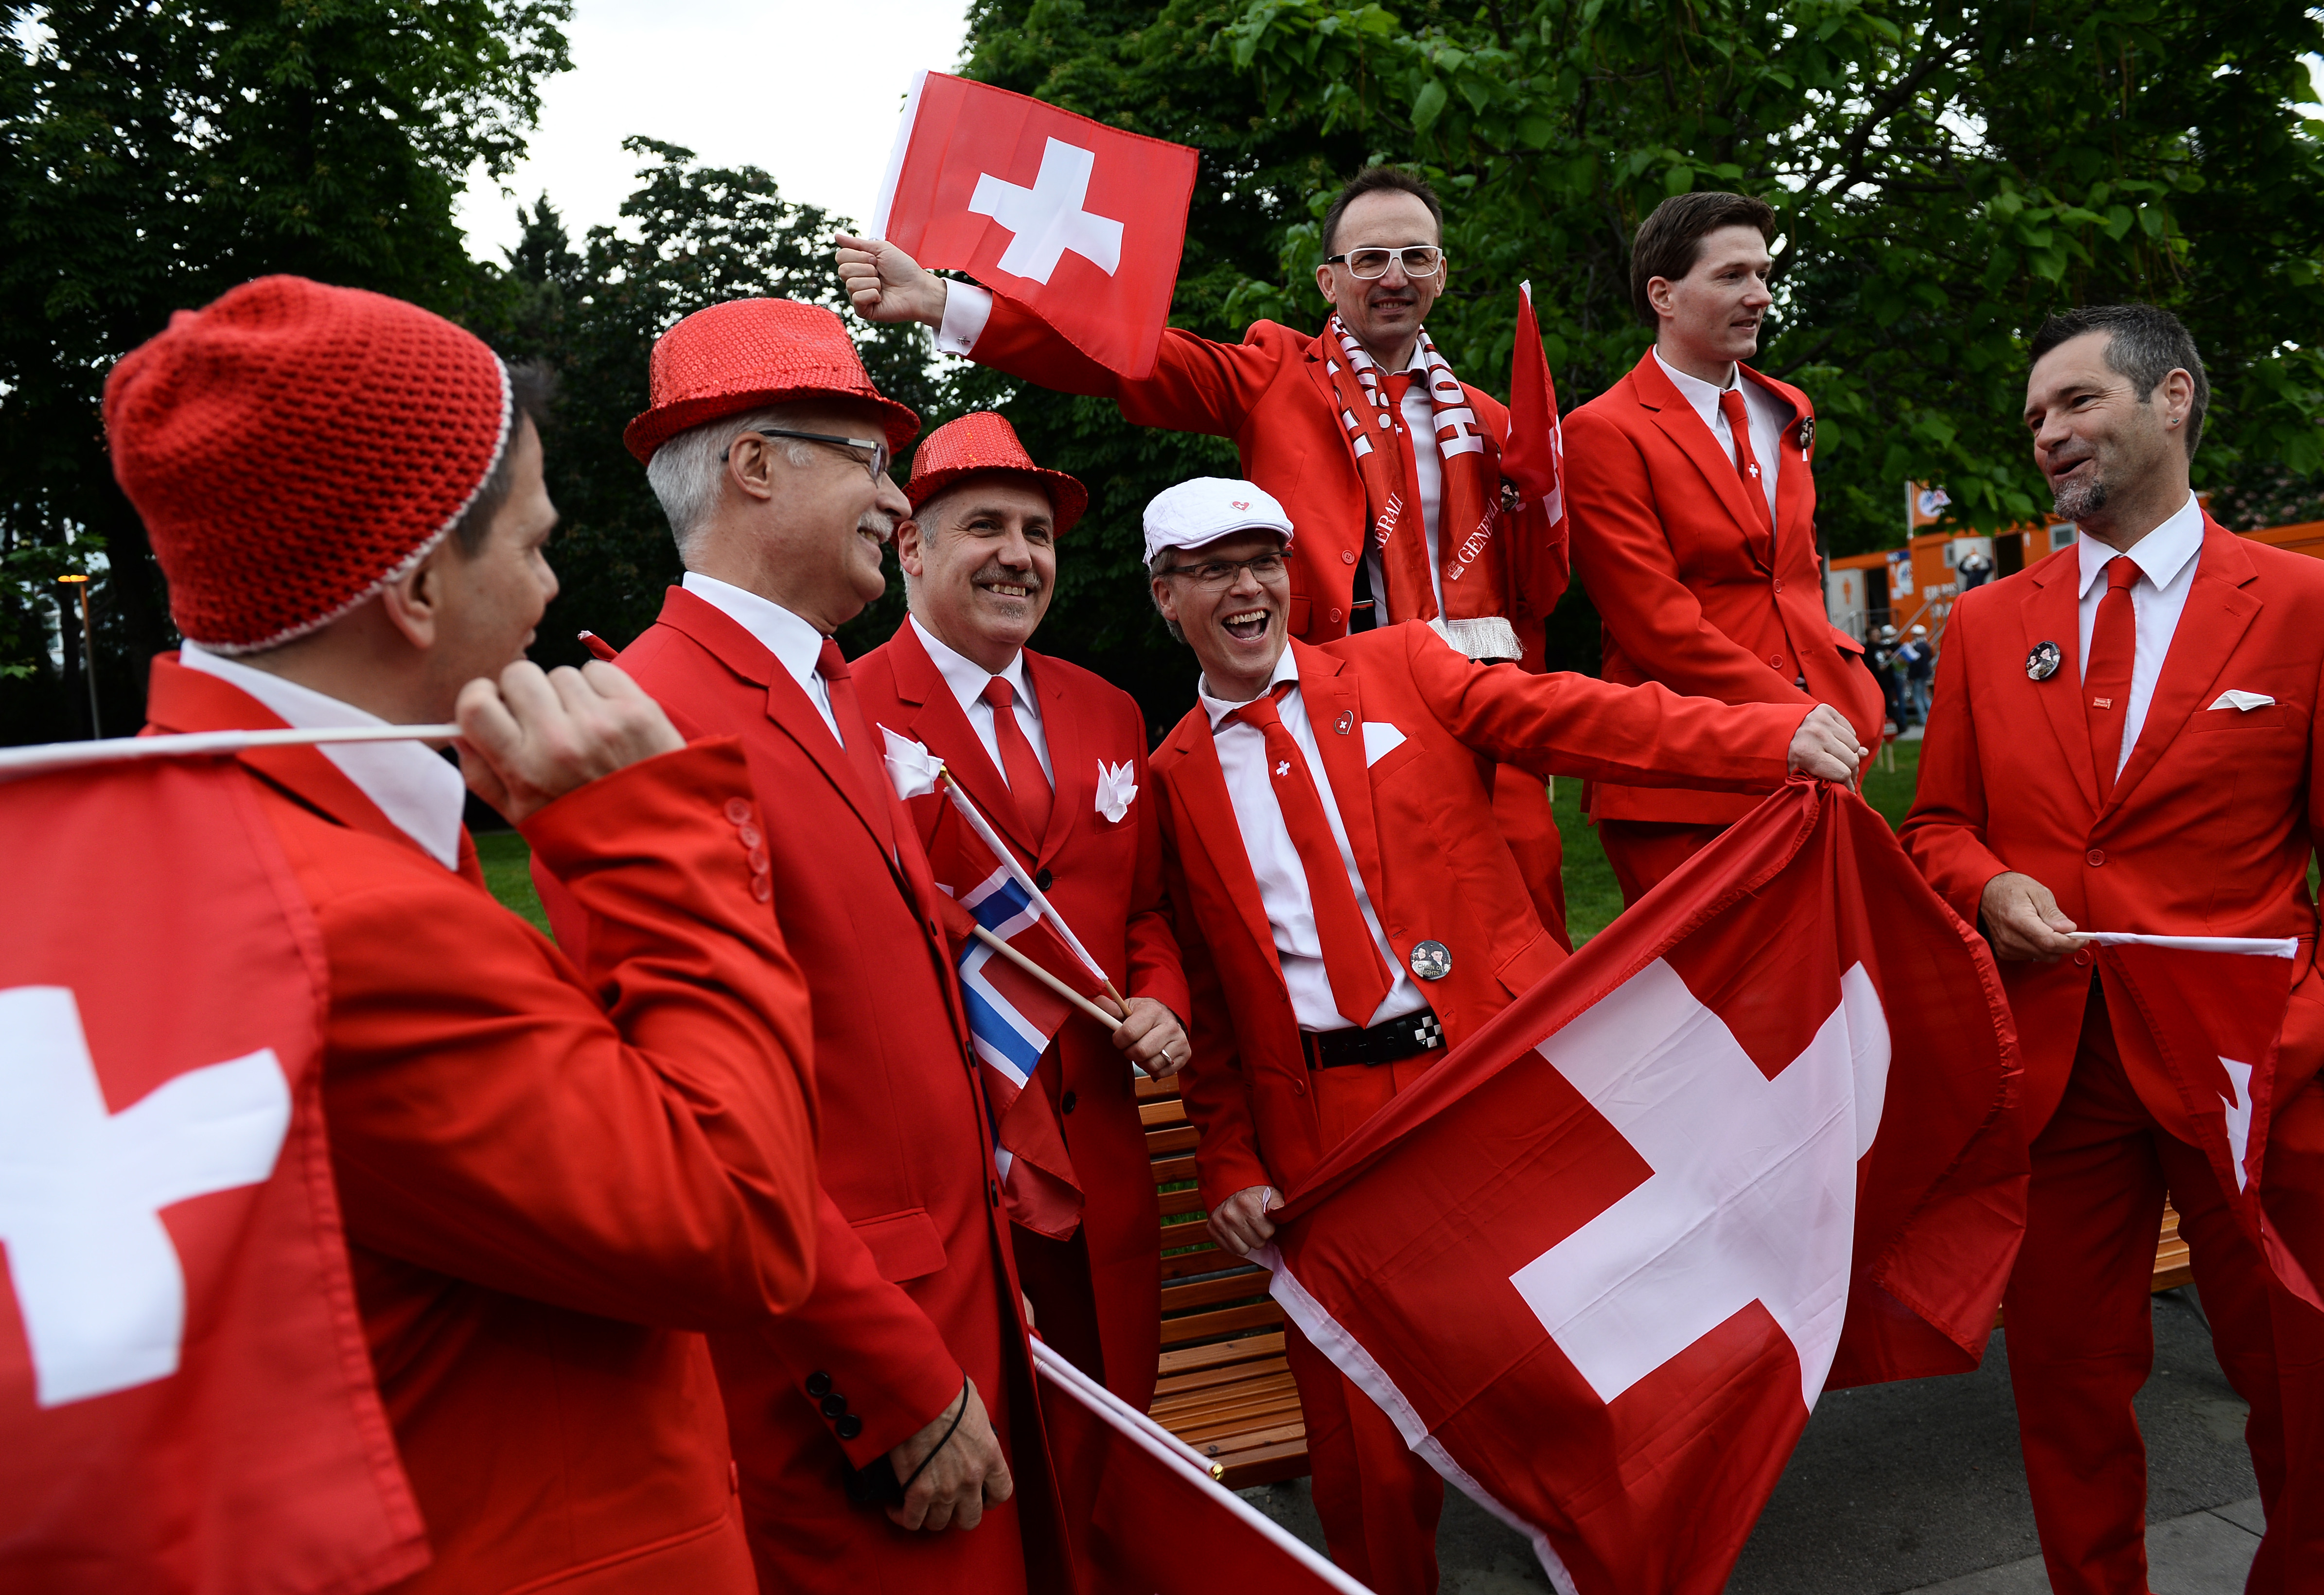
[(1080, 223)]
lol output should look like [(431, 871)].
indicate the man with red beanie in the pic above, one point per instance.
[(544, 1197), (897, 1402), (1055, 757)]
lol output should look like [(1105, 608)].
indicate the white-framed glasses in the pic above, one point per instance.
[(1369, 261)]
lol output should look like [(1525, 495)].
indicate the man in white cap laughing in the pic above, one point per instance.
[(1339, 796)]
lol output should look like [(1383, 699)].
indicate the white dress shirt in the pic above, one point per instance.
[(2166, 559), (1770, 416), (412, 783), (1282, 878), (967, 680), (796, 645)]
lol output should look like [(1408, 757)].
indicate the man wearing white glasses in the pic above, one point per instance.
[(1388, 464)]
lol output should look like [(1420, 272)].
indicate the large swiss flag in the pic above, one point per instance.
[(186, 1396), (1081, 223), (1756, 1139)]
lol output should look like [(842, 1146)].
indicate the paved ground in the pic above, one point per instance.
[(1918, 1486)]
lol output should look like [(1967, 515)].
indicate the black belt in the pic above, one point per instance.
[(1389, 1043)]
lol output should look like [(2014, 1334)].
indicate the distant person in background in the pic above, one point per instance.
[(1920, 672), (1692, 499), (1881, 655)]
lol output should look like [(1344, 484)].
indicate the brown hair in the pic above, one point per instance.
[(1670, 241), (1375, 179), (2144, 343)]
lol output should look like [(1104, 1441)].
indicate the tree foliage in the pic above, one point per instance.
[(153, 154)]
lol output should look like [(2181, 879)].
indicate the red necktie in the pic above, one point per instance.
[(1746, 464), (855, 737), (1406, 554), (2106, 673), (1027, 782), (1351, 960)]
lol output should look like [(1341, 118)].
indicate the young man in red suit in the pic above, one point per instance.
[(2124, 739), (1348, 910), (1360, 431), (1692, 498), (545, 1190), (907, 1366), (1056, 758)]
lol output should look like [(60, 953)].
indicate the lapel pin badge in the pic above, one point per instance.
[(2043, 661), (1431, 960), (1346, 723), (1807, 435)]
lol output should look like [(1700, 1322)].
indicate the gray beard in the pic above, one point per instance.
[(2077, 501)]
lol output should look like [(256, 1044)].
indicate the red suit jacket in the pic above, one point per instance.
[(1106, 880), (2211, 823), (1688, 599), (1420, 822), (914, 1287), (544, 1197), (1270, 395)]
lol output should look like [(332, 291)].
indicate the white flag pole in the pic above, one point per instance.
[(1110, 1020), (121, 750), (1000, 850)]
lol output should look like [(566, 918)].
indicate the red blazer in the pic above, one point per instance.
[(1270, 395), (2211, 824), (544, 1198), (914, 1284), (1420, 822), (1688, 599), (1106, 880)]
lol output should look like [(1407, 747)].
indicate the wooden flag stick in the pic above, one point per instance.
[(1111, 1021), (120, 749)]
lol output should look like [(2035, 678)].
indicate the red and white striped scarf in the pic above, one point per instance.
[(1474, 564)]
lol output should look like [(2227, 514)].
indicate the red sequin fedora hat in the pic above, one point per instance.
[(985, 444), (746, 355)]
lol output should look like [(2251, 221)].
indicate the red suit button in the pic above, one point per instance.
[(1779, 583), (1775, 661), (738, 812), (2083, 957), (2096, 855), (1336, 617), (1347, 556)]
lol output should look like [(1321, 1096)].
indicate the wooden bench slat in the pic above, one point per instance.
[(1155, 1115), (1218, 1378), (1161, 1143), (1170, 1171), (1268, 1465), (1194, 1359), (1207, 1293), (1204, 1326)]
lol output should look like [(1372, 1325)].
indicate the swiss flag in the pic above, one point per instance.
[(1755, 1138), (1081, 223), (2198, 1021), (186, 1399), (1534, 463)]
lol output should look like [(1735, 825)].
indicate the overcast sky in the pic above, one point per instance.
[(808, 89)]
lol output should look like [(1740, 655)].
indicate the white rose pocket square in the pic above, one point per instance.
[(1380, 740), (2242, 700), (1115, 788)]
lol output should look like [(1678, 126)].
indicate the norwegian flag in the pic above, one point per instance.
[(2198, 1021), (1534, 464), (1080, 223), (1754, 1140), (1012, 1015)]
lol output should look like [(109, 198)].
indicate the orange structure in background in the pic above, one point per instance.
[(1916, 584)]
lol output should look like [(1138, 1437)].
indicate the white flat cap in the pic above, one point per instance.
[(1205, 509)]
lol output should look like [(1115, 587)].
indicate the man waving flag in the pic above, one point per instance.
[(1738, 1148)]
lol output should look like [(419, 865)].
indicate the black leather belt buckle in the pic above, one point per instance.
[(1388, 1043)]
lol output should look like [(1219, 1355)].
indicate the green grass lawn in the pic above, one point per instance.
[(508, 871)]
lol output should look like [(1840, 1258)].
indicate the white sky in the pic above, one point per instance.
[(808, 89)]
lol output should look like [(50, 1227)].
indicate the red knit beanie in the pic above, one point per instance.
[(293, 447)]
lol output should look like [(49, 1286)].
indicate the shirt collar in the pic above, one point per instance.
[(796, 645), (1286, 668), (410, 782), (1701, 394), (2161, 555), (967, 678)]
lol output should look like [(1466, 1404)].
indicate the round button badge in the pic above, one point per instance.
[(1432, 961)]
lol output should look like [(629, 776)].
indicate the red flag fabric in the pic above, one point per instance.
[(1080, 223), (1755, 1138), (2198, 1020), (1534, 463), (186, 1399), (1147, 1516)]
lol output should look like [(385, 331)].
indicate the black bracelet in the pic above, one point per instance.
[(906, 1487)]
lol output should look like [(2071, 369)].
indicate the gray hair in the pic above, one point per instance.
[(683, 472), (2145, 344), (1156, 568)]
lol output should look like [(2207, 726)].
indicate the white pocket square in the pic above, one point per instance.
[(2242, 700), (1115, 788), (1380, 740)]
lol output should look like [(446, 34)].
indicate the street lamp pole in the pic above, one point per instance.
[(80, 581)]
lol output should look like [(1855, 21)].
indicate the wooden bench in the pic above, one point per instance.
[(1224, 1388)]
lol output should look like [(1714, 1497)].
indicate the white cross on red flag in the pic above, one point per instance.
[(1753, 1140), (186, 1400), (1081, 223)]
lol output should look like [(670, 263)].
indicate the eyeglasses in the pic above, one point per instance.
[(878, 463), (1221, 573), (1369, 261)]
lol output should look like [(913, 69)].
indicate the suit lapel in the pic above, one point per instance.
[(1075, 783), (943, 725), (2217, 613), (1329, 687), (1659, 397), (2051, 615), (1794, 487), (1201, 787)]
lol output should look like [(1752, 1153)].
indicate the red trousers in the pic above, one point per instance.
[(1377, 1500), (1643, 852), (2082, 1330)]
